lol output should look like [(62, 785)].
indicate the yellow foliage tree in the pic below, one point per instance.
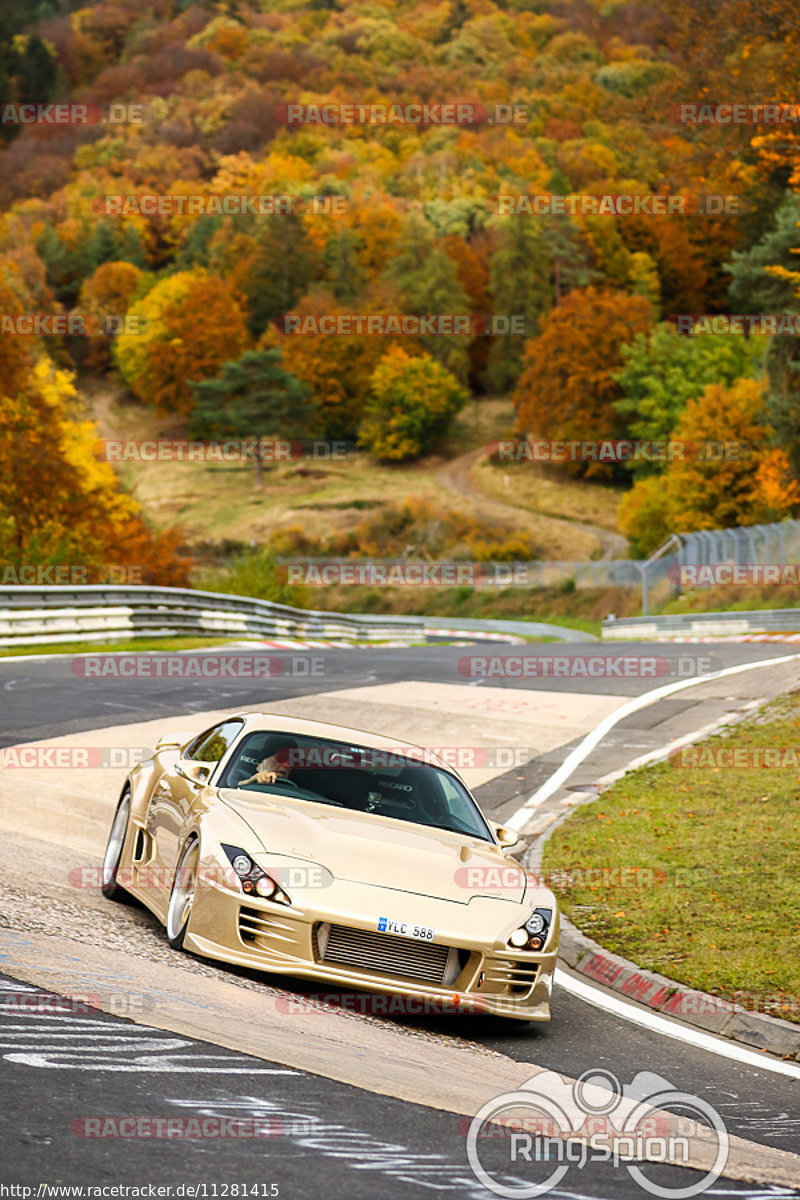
[(729, 474), (190, 324), (59, 504)]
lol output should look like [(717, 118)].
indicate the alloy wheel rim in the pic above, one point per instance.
[(115, 841), (183, 889)]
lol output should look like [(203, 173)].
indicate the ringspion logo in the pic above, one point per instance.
[(568, 1125)]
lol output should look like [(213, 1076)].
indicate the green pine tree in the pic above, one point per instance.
[(252, 397)]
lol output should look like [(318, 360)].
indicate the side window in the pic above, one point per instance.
[(454, 801), (211, 745)]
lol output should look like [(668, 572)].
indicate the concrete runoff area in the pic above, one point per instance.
[(68, 953)]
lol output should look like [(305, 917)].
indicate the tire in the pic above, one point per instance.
[(113, 856), (181, 897)]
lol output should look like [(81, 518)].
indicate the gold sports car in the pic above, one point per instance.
[(331, 854)]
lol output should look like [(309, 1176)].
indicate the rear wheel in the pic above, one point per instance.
[(181, 898), (113, 856)]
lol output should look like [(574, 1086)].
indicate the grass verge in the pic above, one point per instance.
[(694, 866), (581, 610), (142, 645)]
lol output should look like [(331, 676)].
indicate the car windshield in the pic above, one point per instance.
[(389, 783)]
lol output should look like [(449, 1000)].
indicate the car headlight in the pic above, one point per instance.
[(533, 934), (266, 886), (242, 865), (252, 880)]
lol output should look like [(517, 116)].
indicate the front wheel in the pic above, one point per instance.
[(113, 856), (181, 898)]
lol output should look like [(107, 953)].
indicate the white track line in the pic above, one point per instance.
[(597, 996), (683, 1033), (585, 747)]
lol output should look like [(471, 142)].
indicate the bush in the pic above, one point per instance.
[(411, 406)]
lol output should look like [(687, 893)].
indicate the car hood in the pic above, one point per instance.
[(380, 851)]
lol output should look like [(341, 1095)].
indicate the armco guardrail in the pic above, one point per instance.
[(101, 613), (718, 624)]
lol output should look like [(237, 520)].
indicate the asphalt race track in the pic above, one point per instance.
[(338, 1098)]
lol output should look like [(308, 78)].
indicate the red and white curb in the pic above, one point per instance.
[(736, 637)]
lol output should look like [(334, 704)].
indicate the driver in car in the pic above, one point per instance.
[(271, 769)]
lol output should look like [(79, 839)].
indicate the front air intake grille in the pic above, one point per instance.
[(514, 977), (385, 954)]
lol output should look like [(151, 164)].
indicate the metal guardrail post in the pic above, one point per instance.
[(644, 567)]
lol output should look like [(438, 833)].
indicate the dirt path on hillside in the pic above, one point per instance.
[(571, 539), (457, 477)]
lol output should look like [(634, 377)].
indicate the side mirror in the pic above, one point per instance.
[(194, 772), (506, 837)]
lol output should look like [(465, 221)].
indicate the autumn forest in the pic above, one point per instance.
[(248, 172)]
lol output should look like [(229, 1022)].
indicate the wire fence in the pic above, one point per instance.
[(745, 545), (776, 544)]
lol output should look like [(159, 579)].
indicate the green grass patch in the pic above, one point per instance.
[(733, 599), (582, 609), (143, 645), (695, 868)]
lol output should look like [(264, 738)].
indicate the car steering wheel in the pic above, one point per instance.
[(245, 782)]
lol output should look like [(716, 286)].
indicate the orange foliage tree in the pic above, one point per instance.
[(729, 475), (58, 504), (472, 267), (190, 324), (339, 368), (107, 293), (567, 390)]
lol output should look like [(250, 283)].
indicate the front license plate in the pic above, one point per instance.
[(405, 929)]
